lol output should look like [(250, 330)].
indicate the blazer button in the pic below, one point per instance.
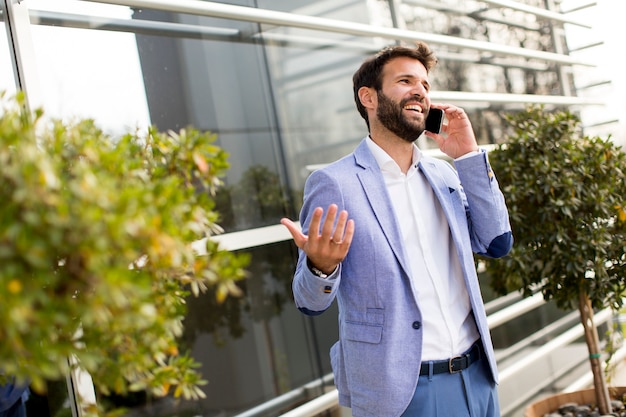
[(417, 325)]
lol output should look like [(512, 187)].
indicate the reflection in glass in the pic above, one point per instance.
[(54, 403), (88, 73), (252, 348), (258, 199)]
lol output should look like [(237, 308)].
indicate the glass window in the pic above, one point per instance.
[(87, 73), (7, 75), (213, 83), (313, 91)]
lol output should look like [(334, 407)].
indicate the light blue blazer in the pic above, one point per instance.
[(376, 361)]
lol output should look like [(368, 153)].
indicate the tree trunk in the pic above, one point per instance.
[(593, 345)]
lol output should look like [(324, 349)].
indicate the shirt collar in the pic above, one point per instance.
[(386, 163)]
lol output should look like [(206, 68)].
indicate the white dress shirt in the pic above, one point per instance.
[(436, 274)]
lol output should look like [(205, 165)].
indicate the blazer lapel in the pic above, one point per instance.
[(374, 186)]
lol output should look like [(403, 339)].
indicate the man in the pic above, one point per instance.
[(395, 250)]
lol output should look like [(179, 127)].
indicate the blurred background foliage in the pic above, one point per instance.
[(96, 260)]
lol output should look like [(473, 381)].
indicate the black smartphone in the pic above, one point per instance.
[(434, 120)]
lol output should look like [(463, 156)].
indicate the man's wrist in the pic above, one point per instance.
[(318, 272)]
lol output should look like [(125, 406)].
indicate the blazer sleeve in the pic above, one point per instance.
[(486, 210), (314, 295)]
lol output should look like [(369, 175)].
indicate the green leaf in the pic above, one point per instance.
[(565, 192), (95, 250)]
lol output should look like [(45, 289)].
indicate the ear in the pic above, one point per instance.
[(368, 97)]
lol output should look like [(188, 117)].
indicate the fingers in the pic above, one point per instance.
[(457, 138), (299, 238), (437, 137), (328, 233), (455, 113), (347, 236), (328, 240), (332, 230), (316, 219), (337, 236), (452, 112), (329, 223)]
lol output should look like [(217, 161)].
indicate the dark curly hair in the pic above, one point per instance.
[(370, 72)]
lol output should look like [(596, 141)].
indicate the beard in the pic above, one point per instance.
[(391, 116)]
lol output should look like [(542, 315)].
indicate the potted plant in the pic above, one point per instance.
[(96, 255), (566, 194)]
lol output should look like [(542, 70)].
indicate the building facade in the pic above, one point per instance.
[(272, 78)]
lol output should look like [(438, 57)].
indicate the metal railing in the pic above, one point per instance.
[(204, 32), (537, 11), (298, 395), (513, 5), (329, 400), (271, 17)]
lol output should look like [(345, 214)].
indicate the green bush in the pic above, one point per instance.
[(95, 251), (566, 194)]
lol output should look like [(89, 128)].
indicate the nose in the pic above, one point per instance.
[(419, 90)]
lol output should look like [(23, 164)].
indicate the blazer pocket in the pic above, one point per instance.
[(360, 332)]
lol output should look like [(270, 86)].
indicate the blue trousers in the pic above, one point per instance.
[(469, 393)]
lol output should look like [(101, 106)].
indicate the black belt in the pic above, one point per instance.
[(453, 365)]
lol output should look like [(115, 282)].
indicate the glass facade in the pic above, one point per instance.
[(279, 98), (7, 79), (277, 105), (90, 73)]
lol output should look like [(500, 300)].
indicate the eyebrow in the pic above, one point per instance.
[(426, 82)]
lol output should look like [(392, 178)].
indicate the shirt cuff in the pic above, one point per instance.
[(468, 155), (319, 273)]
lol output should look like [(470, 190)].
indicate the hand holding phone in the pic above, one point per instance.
[(434, 120)]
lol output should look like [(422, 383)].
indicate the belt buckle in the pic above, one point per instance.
[(451, 367)]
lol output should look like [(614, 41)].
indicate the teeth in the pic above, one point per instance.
[(414, 107)]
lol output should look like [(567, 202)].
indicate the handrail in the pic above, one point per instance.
[(584, 381), (587, 379), (537, 336), (523, 306), (501, 302), (264, 16), (522, 399), (450, 9), (513, 5), (316, 406), (147, 27), (579, 7), (506, 98), (206, 32), (559, 341), (189, 31), (288, 398), (330, 399), (537, 11)]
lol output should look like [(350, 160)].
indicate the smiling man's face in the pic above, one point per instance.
[(403, 101)]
